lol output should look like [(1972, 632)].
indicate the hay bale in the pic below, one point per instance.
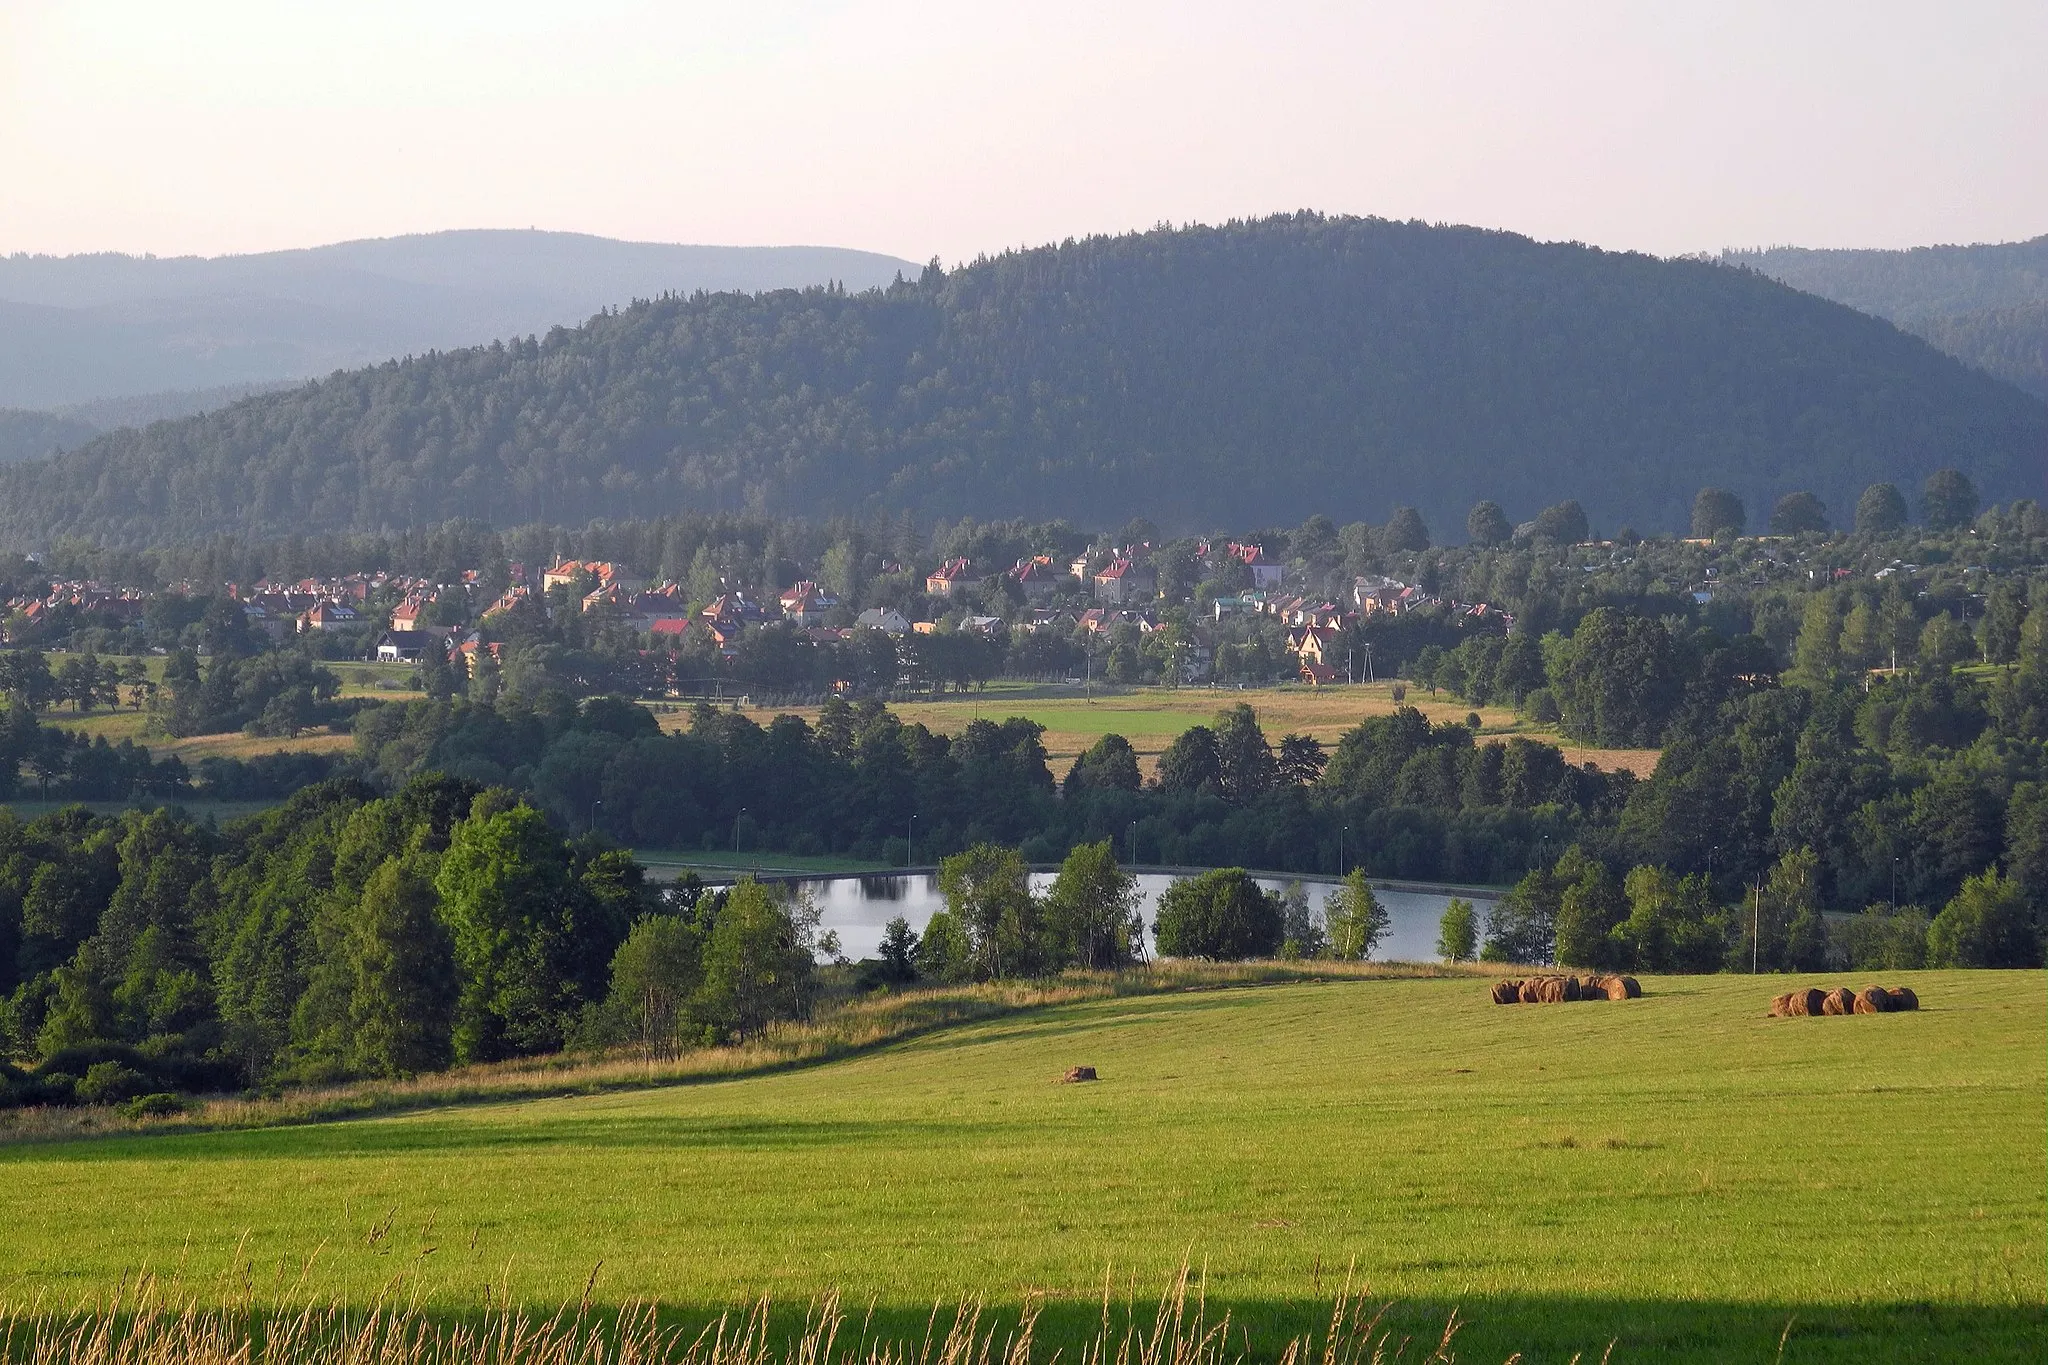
[(1631, 988), (1080, 1073), (1807, 1002), (1552, 990), (1781, 1006), (1903, 998), (1614, 987), (1841, 1000), (1532, 991), (1572, 991), (1507, 992), (1873, 1000)]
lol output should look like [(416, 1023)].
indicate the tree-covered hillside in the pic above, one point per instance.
[(1986, 305), (1253, 372)]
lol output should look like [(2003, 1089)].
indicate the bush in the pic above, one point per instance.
[(110, 1083), (161, 1104), (1222, 915), (1542, 706)]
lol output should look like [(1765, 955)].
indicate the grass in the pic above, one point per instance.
[(1678, 1172), (1150, 718), (666, 863)]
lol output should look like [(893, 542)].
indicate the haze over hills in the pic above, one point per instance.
[(1252, 373), (1987, 305), (79, 328)]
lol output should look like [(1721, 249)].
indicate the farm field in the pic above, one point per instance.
[(1678, 1173), (1150, 718)]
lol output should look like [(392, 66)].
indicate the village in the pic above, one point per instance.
[(1051, 616)]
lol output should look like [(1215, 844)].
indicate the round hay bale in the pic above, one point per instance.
[(1781, 1006), (1614, 987), (1873, 1000), (1632, 989), (1840, 1000), (1552, 991), (1806, 1002), (1507, 992), (1080, 1073), (1571, 989), (1532, 991), (1903, 998)]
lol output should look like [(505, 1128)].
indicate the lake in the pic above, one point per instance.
[(858, 908)]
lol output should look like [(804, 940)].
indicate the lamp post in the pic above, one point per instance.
[(593, 815), (736, 831), (1134, 843), (909, 831), (1343, 838)]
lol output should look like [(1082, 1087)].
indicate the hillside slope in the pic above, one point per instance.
[(1252, 373), (1986, 305), (78, 328)]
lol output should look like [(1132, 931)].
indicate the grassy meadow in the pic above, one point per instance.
[(1150, 717), (1677, 1173)]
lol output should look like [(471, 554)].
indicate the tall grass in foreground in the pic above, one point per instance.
[(143, 1327), (836, 1030)]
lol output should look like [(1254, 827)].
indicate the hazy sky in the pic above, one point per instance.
[(950, 129)]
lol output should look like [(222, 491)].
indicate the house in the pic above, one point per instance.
[(805, 603), (950, 579), (1315, 644), (1266, 571), (1036, 577), (405, 617), (404, 646), (1374, 595), (1124, 583), (605, 572), (885, 619), (1317, 675), (1079, 568), (472, 648), (328, 616), (677, 626), (991, 626)]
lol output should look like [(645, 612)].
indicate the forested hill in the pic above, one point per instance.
[(1251, 373), (1987, 305)]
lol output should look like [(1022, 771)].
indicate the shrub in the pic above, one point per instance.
[(110, 1083), (160, 1105)]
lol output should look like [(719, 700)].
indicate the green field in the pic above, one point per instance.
[(1677, 1172)]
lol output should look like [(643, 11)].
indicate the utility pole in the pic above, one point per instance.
[(1756, 922)]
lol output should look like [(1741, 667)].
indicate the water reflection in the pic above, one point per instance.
[(859, 907)]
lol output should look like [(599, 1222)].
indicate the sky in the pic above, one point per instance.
[(956, 129)]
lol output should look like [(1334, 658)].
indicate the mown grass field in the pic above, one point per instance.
[(1151, 717), (1678, 1173)]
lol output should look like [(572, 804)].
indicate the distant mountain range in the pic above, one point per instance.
[(1986, 305), (1207, 377), (74, 329)]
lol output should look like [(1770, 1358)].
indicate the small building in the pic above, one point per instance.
[(404, 646), (328, 616), (1124, 583), (950, 579), (885, 619)]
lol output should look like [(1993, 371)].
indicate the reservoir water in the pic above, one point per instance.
[(859, 907)]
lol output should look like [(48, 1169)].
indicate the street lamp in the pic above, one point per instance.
[(1134, 843), (1343, 837), (909, 829), (593, 815), (736, 832)]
